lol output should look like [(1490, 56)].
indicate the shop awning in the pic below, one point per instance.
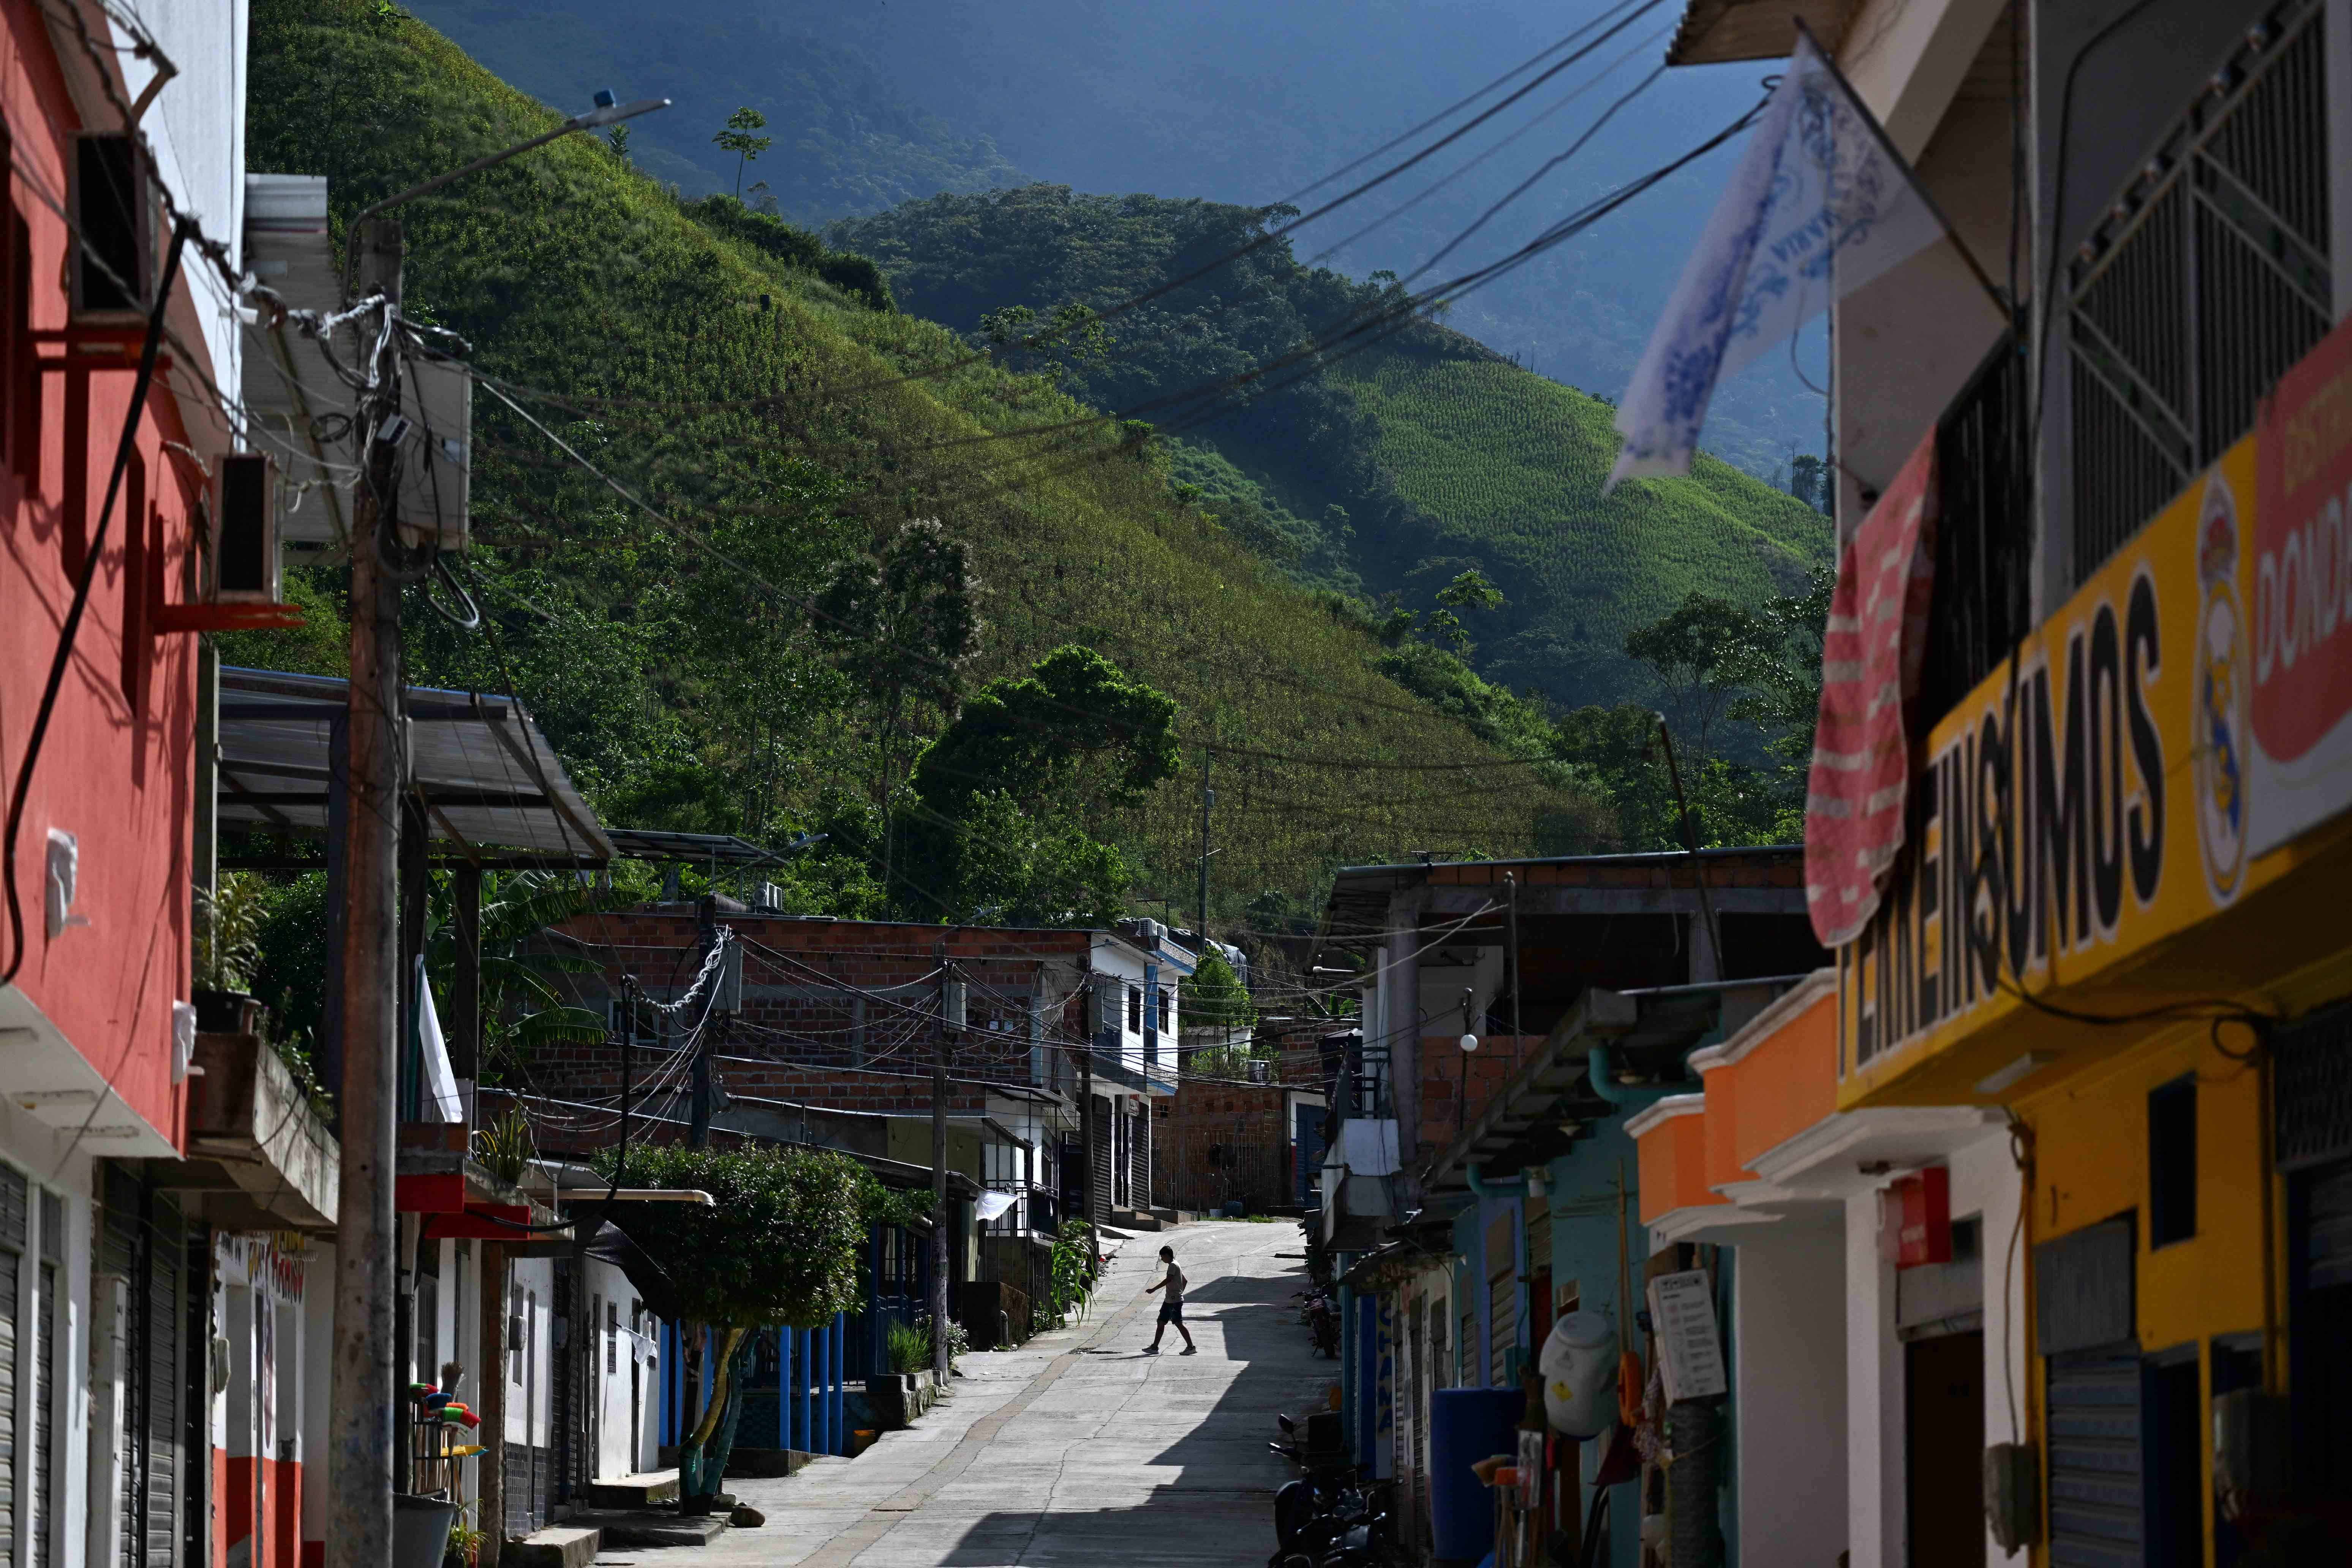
[(487, 777)]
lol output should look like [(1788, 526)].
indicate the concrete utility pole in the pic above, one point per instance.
[(1096, 1007), (698, 1124), (1208, 799), (950, 1019), (359, 1449)]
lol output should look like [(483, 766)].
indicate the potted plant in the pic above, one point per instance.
[(227, 953)]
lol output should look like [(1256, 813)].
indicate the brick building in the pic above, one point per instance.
[(829, 1030)]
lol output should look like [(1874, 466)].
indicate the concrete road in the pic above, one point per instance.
[(1075, 1448)]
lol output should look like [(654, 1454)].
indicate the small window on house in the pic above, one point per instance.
[(2172, 1161), (612, 1335), (1167, 1002), (110, 207), (1135, 1009)]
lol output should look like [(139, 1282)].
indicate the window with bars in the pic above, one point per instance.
[(2209, 280)]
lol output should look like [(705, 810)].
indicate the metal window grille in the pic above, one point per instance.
[(2208, 280), (1984, 542)]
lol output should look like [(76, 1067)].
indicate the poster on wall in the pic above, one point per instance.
[(2299, 758), (1690, 1351)]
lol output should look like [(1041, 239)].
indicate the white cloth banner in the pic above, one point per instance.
[(441, 1100), (992, 1205), (1818, 207)]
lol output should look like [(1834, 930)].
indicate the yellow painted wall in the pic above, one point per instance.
[(2091, 1164)]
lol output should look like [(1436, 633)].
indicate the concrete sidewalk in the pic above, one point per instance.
[(1075, 1448)]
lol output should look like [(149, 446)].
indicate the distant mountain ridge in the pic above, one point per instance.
[(845, 138), (1238, 101)]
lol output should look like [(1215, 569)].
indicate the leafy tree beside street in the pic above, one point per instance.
[(781, 1244)]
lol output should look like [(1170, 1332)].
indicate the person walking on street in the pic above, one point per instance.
[(1172, 1311)]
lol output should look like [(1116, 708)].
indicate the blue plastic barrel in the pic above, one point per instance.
[(1466, 1426)]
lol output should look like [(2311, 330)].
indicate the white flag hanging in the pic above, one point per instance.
[(1819, 206)]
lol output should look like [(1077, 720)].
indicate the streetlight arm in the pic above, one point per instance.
[(608, 114)]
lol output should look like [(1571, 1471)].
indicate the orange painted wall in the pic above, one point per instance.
[(1673, 1157), (1787, 1083)]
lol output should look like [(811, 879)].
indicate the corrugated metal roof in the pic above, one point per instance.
[(488, 776), (1715, 31)]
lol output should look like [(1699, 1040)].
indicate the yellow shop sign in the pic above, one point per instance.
[(2079, 807)]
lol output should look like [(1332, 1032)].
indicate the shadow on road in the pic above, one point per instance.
[(1206, 1418)]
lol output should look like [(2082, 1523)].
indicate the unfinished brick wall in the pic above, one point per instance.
[(1444, 1112), (835, 1012)]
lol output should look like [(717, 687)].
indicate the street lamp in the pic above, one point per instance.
[(607, 112)]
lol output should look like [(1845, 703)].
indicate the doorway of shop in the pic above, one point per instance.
[(1943, 1403)]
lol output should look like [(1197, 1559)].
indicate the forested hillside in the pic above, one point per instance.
[(730, 664), (1414, 456)]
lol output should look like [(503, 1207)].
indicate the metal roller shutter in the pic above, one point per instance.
[(142, 1239), (13, 1237), (166, 1249), (47, 1364), (118, 1254), (2327, 1240), (2097, 1500)]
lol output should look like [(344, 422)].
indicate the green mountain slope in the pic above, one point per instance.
[(1504, 468), (1396, 466), (783, 425)]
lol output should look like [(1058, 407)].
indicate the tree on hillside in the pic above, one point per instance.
[(1468, 591), (740, 136), (1809, 481), (1702, 652), (1782, 676), (780, 1245), (1004, 797), (1076, 729), (901, 626)]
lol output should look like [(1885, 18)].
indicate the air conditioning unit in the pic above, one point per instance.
[(113, 212), (244, 530)]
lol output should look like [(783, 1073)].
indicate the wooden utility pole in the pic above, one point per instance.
[(491, 1399), (950, 1019), (360, 1445)]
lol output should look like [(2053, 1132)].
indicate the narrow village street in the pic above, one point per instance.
[(1075, 1448)]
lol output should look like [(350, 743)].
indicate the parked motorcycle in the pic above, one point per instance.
[(1320, 1313), (1326, 1518)]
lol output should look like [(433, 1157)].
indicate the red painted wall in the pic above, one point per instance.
[(281, 1544), (117, 768)]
